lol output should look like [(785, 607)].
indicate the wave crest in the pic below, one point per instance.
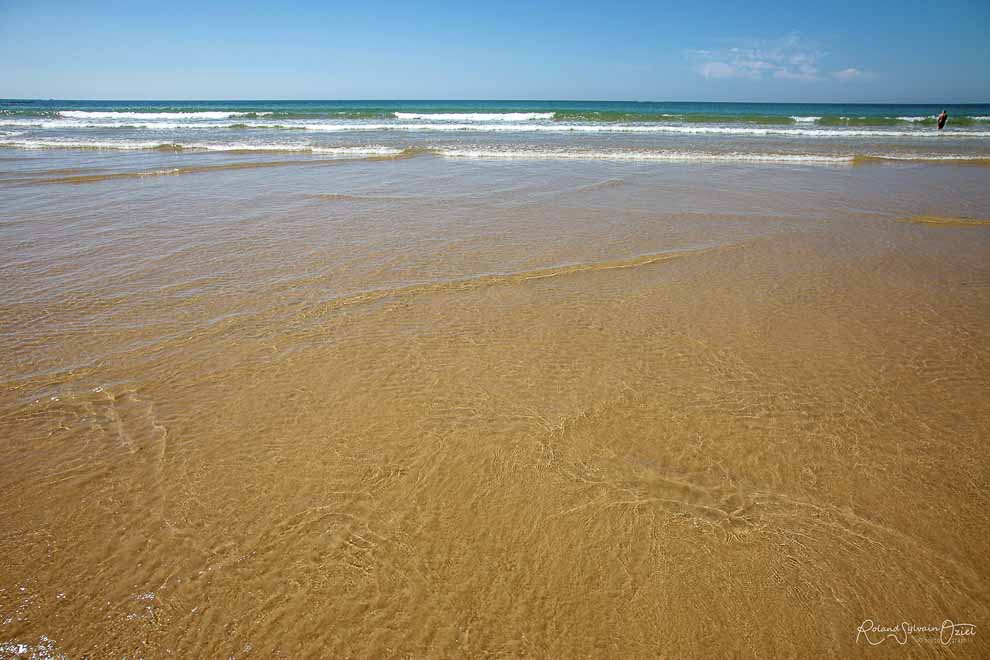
[(474, 116), (80, 114)]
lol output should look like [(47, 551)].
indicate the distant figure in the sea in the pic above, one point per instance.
[(942, 118)]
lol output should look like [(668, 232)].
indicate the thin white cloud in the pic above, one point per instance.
[(850, 74), (717, 69), (787, 58), (804, 72)]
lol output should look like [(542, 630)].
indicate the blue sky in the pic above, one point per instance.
[(881, 51)]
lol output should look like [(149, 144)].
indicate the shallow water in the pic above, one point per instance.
[(258, 405)]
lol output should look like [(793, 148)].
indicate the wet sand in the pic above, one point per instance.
[(422, 408)]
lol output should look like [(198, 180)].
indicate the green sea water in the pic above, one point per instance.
[(507, 129)]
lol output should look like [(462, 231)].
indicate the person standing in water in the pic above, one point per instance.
[(942, 118)]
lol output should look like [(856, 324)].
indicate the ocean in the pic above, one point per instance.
[(490, 379), (823, 133)]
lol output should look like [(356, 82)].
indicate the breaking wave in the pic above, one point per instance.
[(475, 116)]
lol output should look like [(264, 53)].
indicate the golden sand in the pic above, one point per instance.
[(528, 449)]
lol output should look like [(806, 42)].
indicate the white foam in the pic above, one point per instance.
[(44, 650), (372, 150), (805, 120), (501, 125), (79, 114), (14, 649), (474, 116), (77, 123), (914, 119), (631, 128), (145, 125), (925, 157), (139, 145), (79, 144), (662, 156), (591, 128)]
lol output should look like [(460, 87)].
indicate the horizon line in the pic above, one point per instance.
[(475, 100)]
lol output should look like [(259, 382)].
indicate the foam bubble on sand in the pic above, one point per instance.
[(43, 650)]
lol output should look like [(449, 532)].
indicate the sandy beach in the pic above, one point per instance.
[(428, 407)]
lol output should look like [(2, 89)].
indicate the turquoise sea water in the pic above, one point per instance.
[(507, 129)]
